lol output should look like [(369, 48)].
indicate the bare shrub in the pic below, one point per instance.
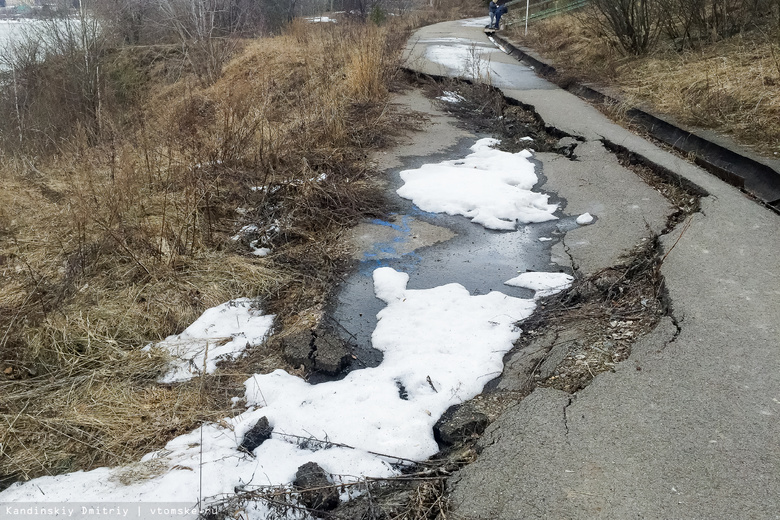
[(54, 84), (206, 43), (632, 24), (688, 21)]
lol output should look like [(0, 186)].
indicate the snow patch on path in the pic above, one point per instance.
[(584, 219), (489, 186)]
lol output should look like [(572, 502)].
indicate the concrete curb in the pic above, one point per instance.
[(749, 175)]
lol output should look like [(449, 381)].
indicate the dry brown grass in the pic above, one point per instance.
[(731, 86), (107, 247)]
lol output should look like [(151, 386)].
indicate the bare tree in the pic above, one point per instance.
[(634, 24), (54, 78), (688, 21), (204, 44)]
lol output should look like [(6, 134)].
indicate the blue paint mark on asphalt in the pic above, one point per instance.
[(380, 222), (381, 247), (408, 262)]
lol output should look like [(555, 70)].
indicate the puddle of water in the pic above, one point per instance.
[(481, 61), (479, 259), (380, 239)]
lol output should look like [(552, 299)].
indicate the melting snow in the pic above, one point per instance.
[(441, 344), (489, 186), (221, 332), (545, 284), (584, 219), (320, 19), (450, 97)]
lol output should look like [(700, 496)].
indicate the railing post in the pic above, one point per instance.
[(527, 7)]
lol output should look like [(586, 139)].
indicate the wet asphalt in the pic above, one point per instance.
[(688, 426), (479, 259)]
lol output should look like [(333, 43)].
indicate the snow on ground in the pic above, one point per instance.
[(476, 22), (584, 219), (221, 332), (545, 284), (489, 186), (320, 19), (259, 251), (440, 346), (251, 228), (450, 97)]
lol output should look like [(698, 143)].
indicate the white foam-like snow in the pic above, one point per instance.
[(450, 97), (584, 219), (489, 186), (545, 284), (251, 228), (260, 251), (221, 332), (440, 345)]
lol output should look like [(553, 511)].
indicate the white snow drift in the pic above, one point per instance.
[(489, 186), (545, 284), (584, 219)]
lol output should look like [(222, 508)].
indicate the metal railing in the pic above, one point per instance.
[(546, 8)]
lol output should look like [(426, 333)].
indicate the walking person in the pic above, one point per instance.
[(493, 8), (500, 11)]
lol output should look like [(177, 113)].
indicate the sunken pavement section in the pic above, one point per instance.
[(687, 426)]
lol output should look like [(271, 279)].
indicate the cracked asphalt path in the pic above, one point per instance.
[(687, 427)]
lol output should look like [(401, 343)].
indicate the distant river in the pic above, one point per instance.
[(10, 29)]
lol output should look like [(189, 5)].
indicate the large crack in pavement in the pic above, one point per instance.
[(573, 336)]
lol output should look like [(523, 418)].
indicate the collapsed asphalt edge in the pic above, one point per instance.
[(749, 175)]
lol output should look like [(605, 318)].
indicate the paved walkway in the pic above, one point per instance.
[(689, 426)]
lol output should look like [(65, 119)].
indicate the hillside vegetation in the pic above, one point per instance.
[(707, 64), (123, 183)]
